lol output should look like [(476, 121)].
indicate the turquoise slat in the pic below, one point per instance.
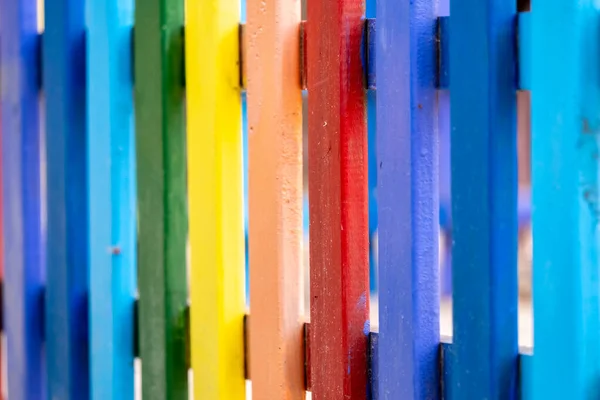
[(111, 199), (565, 97)]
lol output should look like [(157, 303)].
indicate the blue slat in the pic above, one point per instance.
[(407, 157), (23, 251), (444, 52), (111, 183), (67, 262), (370, 38), (484, 198), (525, 51), (565, 126)]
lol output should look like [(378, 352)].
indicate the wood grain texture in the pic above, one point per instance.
[(216, 198), (22, 228), (275, 199), (338, 209), (407, 156), (161, 193), (565, 100), (484, 198), (112, 202), (66, 319)]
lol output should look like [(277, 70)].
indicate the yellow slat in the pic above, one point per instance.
[(215, 198)]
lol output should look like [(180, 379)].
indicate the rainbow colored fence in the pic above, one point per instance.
[(123, 169)]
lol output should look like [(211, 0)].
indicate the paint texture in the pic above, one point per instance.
[(272, 60)]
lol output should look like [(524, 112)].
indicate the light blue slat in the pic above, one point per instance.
[(565, 94), (111, 183), (23, 250), (484, 198), (67, 261)]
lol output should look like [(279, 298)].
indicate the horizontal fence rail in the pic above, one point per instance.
[(123, 198)]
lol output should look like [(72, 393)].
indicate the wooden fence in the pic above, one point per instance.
[(123, 198)]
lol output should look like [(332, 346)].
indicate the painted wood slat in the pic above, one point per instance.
[(407, 156), (215, 198), (66, 318), (565, 123), (161, 193), (112, 204), (2, 382), (22, 227), (338, 209), (275, 199), (484, 198)]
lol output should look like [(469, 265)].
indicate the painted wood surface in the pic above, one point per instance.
[(216, 197), (161, 193), (66, 318), (22, 226), (338, 209), (112, 203), (484, 199), (2, 297), (565, 123), (407, 156), (274, 98)]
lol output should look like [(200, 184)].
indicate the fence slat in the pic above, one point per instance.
[(161, 174), (484, 198), (216, 198), (565, 125), (22, 228), (408, 200), (112, 204), (275, 199), (338, 209), (67, 261)]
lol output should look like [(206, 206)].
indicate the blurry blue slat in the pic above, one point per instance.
[(373, 392), (525, 50), (565, 83), (67, 262), (443, 35), (23, 251), (371, 48), (484, 198), (407, 158), (112, 206)]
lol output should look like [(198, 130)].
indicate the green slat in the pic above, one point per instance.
[(161, 175)]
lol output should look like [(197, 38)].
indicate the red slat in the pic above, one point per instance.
[(338, 200)]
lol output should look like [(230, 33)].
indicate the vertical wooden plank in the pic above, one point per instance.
[(2, 365), (407, 152), (161, 175), (215, 198), (484, 198), (67, 258), (565, 125), (338, 209), (22, 228), (112, 206), (275, 198)]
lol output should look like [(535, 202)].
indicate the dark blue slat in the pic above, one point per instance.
[(67, 262), (484, 199)]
